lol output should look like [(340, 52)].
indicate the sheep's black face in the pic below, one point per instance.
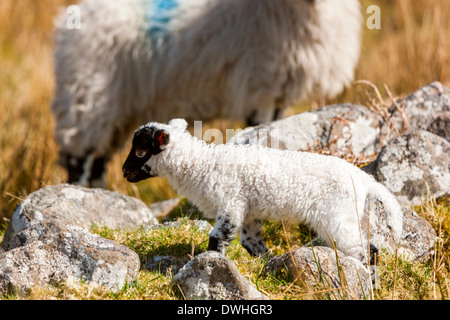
[(147, 142)]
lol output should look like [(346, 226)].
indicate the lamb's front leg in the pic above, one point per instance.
[(227, 225)]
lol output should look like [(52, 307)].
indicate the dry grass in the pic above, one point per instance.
[(411, 49), (399, 279), (26, 84)]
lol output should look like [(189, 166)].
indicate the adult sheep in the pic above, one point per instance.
[(134, 61)]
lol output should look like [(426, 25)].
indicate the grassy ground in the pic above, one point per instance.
[(411, 49), (399, 279)]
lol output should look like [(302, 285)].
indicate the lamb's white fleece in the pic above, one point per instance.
[(240, 185)]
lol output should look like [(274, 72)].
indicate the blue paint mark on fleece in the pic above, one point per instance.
[(158, 14)]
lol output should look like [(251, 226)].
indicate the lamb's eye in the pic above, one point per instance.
[(140, 153)]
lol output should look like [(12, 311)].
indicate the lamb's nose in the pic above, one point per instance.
[(125, 172)]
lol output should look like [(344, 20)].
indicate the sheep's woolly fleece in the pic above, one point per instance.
[(134, 61), (241, 185)]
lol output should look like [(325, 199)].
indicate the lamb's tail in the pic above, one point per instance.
[(394, 212)]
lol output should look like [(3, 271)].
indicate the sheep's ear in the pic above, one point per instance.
[(160, 139), (179, 124)]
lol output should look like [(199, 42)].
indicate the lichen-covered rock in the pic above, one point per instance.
[(81, 206), (414, 166), (211, 276), (55, 251), (163, 264), (428, 108), (347, 131), (418, 236), (161, 209), (319, 266)]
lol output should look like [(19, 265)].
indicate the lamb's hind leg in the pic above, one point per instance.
[(251, 239)]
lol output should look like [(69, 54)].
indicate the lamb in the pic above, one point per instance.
[(240, 186), (135, 61)]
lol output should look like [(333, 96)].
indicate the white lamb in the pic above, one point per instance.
[(135, 61), (242, 185)]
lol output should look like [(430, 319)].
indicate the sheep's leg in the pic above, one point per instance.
[(251, 239), (278, 114), (348, 240), (77, 168), (85, 171), (98, 170), (251, 119), (259, 116), (225, 230)]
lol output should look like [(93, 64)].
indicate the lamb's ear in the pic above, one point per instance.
[(160, 139), (179, 124)]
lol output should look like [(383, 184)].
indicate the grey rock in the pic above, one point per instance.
[(428, 108), (211, 276), (347, 131), (161, 209), (55, 251), (80, 206), (317, 266), (163, 264), (414, 166), (418, 236)]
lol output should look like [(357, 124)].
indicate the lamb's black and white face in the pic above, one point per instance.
[(147, 142)]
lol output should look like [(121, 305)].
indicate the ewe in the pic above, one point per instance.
[(242, 185), (134, 61)]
